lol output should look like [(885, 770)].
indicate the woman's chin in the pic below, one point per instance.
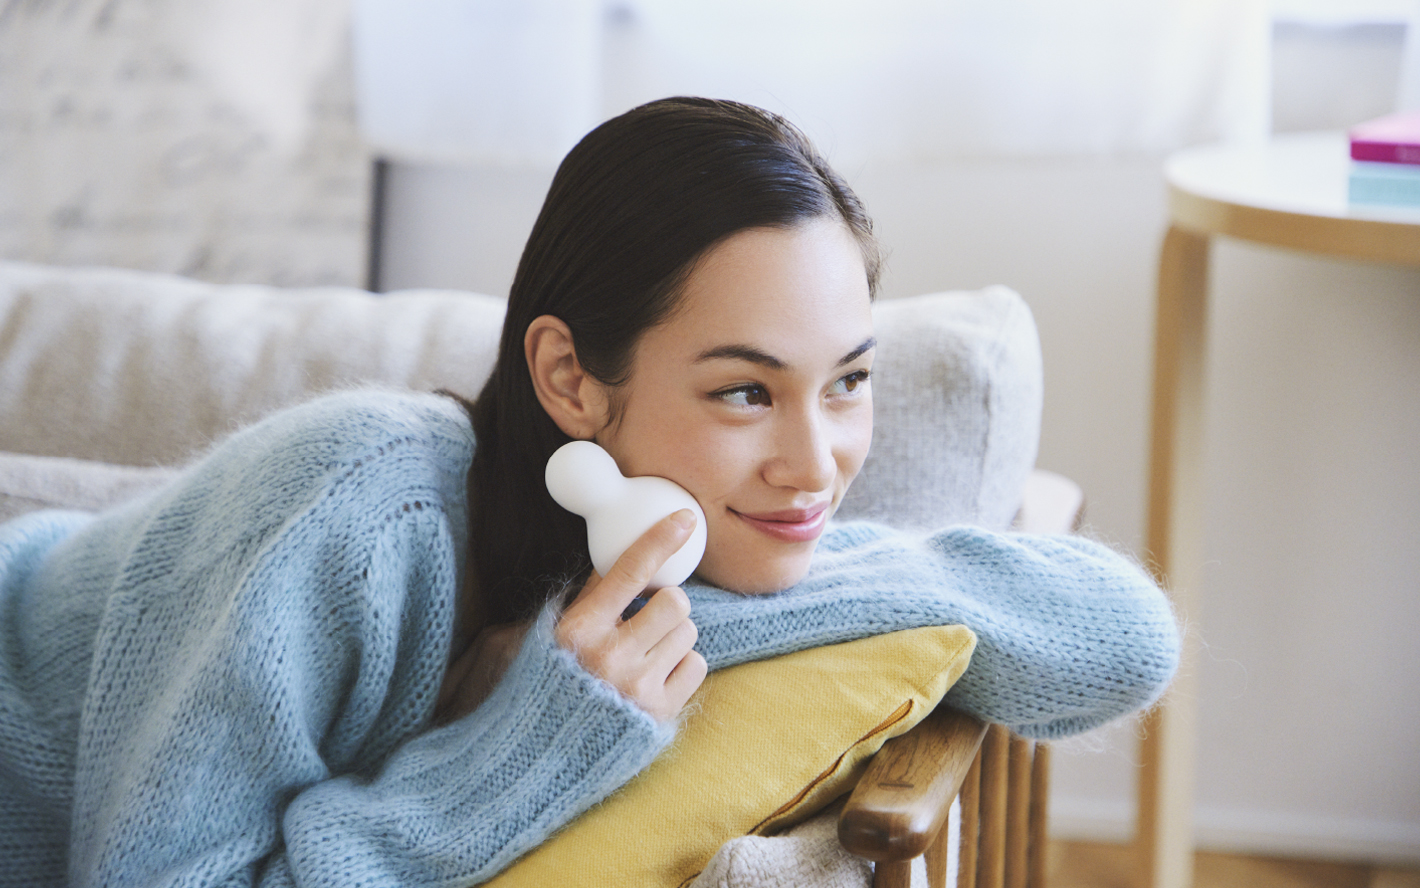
[(757, 579)]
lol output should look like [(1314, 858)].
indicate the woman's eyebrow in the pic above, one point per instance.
[(870, 343), (764, 359), (741, 353)]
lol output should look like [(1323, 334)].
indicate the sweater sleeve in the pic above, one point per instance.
[(1070, 634), (266, 664), (459, 804), (257, 795)]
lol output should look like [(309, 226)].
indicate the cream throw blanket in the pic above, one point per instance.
[(808, 854)]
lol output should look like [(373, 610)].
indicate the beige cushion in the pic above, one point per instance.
[(29, 482), (144, 369)]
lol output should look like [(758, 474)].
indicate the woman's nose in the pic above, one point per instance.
[(803, 457)]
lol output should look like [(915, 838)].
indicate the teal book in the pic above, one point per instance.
[(1397, 184)]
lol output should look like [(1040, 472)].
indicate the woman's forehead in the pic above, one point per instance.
[(777, 290)]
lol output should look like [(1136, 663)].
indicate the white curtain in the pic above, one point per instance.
[(925, 79), (509, 82), (1409, 93), (869, 79)]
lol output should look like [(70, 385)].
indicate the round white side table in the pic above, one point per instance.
[(1289, 192)]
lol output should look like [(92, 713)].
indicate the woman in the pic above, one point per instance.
[(694, 191), (237, 677)]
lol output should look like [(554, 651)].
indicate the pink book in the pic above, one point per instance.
[(1394, 138)]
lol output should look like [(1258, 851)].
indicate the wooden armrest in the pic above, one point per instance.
[(903, 798)]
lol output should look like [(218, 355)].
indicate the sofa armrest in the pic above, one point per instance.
[(1050, 503)]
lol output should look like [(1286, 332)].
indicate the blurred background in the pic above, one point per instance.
[(409, 144)]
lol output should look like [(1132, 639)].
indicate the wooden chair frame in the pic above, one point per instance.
[(898, 811), (900, 807)]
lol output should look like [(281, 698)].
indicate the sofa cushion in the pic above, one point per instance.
[(957, 396), (145, 369), (29, 482)]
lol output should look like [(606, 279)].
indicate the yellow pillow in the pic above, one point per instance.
[(765, 745)]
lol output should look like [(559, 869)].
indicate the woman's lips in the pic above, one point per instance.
[(789, 525)]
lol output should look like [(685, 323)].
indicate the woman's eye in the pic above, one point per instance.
[(745, 396), (851, 383)]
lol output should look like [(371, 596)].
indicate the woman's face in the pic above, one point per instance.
[(754, 397)]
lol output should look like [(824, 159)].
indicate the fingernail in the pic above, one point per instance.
[(684, 519)]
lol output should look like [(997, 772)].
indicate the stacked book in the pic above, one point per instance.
[(1385, 160)]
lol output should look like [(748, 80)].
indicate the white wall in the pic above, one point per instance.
[(1311, 692), (1310, 689)]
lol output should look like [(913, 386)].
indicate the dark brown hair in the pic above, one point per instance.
[(630, 210)]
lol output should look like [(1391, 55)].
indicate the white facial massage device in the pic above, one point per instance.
[(585, 480)]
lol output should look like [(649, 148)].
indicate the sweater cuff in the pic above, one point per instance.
[(545, 669), (467, 799)]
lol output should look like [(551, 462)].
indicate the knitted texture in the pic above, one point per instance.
[(232, 679), (1069, 634)]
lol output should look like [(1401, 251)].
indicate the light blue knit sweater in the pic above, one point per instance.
[(232, 679)]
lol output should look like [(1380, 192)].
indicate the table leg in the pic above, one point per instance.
[(1175, 540)]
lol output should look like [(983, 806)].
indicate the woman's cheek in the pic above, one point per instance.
[(857, 440)]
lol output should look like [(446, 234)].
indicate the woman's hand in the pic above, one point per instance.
[(648, 657)]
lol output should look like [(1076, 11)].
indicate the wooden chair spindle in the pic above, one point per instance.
[(1018, 813), (995, 784), (970, 826), (1039, 811)]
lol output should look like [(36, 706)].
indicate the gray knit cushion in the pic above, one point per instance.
[(957, 392)]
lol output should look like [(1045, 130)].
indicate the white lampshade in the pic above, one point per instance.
[(476, 81)]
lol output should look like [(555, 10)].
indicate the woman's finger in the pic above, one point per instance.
[(682, 682), (665, 608), (649, 657), (671, 648), (604, 602)]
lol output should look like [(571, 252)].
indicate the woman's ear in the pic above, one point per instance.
[(574, 400)]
